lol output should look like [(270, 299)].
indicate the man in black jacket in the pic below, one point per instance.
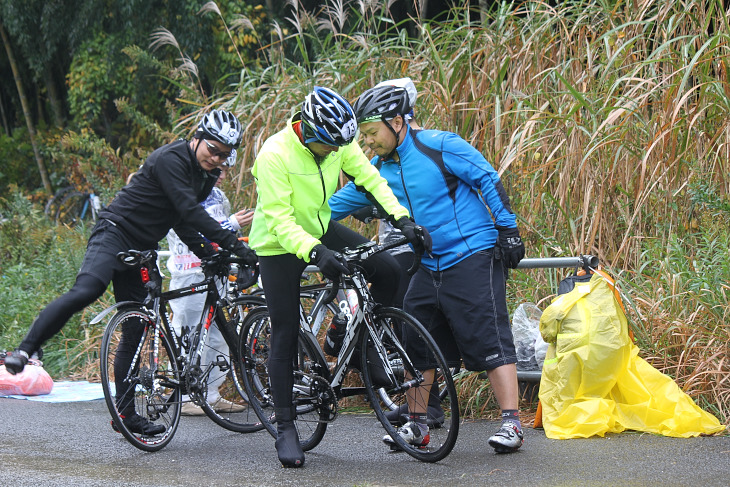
[(165, 193)]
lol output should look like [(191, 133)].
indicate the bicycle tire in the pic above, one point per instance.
[(236, 413), (51, 207), (399, 324), (311, 414), (156, 385), (239, 307), (71, 207)]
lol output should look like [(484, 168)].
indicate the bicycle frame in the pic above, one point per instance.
[(198, 336), (91, 202), (358, 323), (156, 306), (390, 380)]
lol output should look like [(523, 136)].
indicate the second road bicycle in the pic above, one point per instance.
[(385, 344)]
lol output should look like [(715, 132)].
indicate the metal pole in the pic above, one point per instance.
[(537, 263), (558, 262)]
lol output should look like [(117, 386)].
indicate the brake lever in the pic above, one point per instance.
[(416, 263)]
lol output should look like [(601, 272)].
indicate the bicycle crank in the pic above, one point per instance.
[(314, 393)]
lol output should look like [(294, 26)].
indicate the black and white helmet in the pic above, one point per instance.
[(231, 161), (329, 118), (382, 103), (222, 126)]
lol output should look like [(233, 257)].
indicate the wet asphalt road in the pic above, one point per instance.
[(72, 444)]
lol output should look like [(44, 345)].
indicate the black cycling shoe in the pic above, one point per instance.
[(16, 361), (400, 417), (142, 426), (288, 448)]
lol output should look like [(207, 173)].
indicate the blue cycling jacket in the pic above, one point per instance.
[(444, 182)]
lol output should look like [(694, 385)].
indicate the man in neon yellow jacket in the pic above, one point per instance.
[(296, 171)]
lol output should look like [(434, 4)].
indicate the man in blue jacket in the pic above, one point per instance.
[(459, 292)]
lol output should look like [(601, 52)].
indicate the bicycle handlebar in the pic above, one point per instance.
[(416, 257), (363, 252), (220, 262), (332, 293), (212, 263)]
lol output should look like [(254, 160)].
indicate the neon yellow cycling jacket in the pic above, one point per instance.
[(291, 210)]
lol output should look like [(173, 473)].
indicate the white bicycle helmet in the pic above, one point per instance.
[(405, 83), (382, 103), (328, 117), (222, 126)]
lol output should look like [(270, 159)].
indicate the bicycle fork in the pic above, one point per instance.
[(394, 368)]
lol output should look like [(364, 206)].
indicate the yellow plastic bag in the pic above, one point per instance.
[(593, 381)]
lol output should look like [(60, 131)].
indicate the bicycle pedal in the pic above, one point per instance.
[(223, 366), (222, 363), (395, 448)]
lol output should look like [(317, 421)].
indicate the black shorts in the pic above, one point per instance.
[(100, 261), (465, 309)]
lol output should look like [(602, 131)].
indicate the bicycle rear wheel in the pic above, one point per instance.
[(309, 388), (151, 380), (398, 335)]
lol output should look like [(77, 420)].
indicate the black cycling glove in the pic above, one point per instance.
[(416, 234), (509, 246), (367, 214), (332, 264), (246, 253)]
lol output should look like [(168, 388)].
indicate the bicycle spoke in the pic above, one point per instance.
[(403, 334), (149, 387)]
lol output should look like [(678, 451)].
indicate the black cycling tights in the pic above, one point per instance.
[(281, 275), (85, 291)]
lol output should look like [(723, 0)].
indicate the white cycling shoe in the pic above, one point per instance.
[(413, 435), (508, 439)]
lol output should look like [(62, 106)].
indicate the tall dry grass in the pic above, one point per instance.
[(609, 122)]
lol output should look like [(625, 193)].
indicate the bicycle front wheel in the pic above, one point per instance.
[(311, 394), (232, 410), (139, 376), (400, 344)]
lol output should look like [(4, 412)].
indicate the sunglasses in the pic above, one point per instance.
[(215, 151)]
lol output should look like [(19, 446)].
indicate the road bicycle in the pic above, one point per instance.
[(163, 366), (381, 342), (69, 206)]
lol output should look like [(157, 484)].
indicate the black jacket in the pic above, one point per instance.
[(166, 193)]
